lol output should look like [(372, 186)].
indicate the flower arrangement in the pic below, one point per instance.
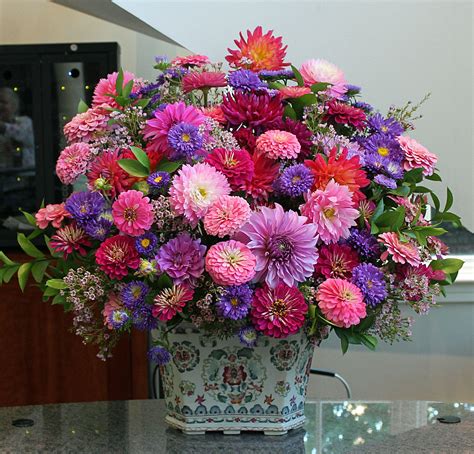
[(260, 202)]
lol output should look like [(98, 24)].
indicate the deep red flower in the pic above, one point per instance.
[(245, 139), (116, 254), (336, 261), (265, 173), (338, 112)]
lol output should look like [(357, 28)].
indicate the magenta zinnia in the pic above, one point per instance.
[(203, 80), (69, 239), (278, 312), (132, 213), (116, 254)]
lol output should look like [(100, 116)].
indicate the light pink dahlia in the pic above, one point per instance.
[(157, 129), (332, 211), (73, 162), (278, 312), (314, 71), (107, 86), (399, 251), (195, 188), (226, 216), (54, 213), (417, 156), (132, 213), (170, 301), (341, 302), (230, 263), (87, 125), (278, 144)]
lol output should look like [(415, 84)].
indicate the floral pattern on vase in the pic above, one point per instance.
[(185, 355), (187, 388), (303, 370), (282, 388), (284, 354)]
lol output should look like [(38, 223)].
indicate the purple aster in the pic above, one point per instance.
[(276, 74), (133, 294), (98, 228), (182, 258), (383, 180), (146, 244), (235, 302), (385, 145), (388, 126), (118, 319), (143, 317), (393, 169), (176, 72), (161, 59), (364, 106), (159, 355), (159, 180), (85, 206), (352, 89), (364, 243), (371, 282), (244, 79), (295, 180), (248, 336), (185, 140), (283, 244), (150, 87)]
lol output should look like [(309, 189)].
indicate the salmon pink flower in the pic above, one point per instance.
[(106, 87), (278, 144), (54, 213), (189, 61), (226, 216), (203, 80), (417, 156), (73, 162), (293, 92), (399, 251)]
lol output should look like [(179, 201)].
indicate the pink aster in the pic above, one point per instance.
[(337, 261), (116, 254), (132, 213), (203, 80), (54, 213), (400, 252), (68, 239), (106, 87), (230, 263), (278, 144), (73, 162), (195, 188), (417, 156), (87, 125), (157, 128), (315, 71), (332, 211), (341, 302), (293, 92), (226, 216), (190, 60), (278, 312), (170, 301)]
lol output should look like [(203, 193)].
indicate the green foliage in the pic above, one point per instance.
[(28, 247), (391, 220), (119, 83), (320, 86), (449, 266), (169, 166), (142, 157), (133, 167), (82, 107), (58, 284), (289, 112), (298, 76)]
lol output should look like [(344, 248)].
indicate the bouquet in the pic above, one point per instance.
[(260, 201)]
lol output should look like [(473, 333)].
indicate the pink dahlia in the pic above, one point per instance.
[(332, 211), (230, 263), (226, 216), (190, 60), (293, 92), (54, 213), (116, 254), (399, 251), (203, 80), (315, 71), (87, 125), (157, 129), (337, 261), (278, 144), (341, 302), (73, 162), (302, 133), (132, 213), (278, 312), (195, 188), (284, 244), (417, 156), (106, 87), (68, 239), (237, 165), (170, 301)]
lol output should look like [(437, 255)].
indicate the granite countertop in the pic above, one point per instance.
[(331, 427)]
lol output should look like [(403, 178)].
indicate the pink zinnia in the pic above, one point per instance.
[(278, 144), (156, 129), (170, 301), (195, 188), (132, 213), (230, 263), (87, 125), (54, 213), (203, 80), (190, 60), (73, 162), (226, 216), (417, 156), (293, 92), (278, 312), (116, 254), (337, 261), (341, 302), (106, 87), (314, 71), (113, 304), (400, 252), (237, 165), (68, 239), (331, 210)]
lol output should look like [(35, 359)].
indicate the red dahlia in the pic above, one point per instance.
[(338, 112)]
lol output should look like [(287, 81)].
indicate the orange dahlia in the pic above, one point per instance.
[(259, 51)]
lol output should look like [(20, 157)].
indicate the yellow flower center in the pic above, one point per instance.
[(329, 212), (383, 151), (295, 179), (158, 179), (384, 129), (145, 242), (136, 291), (234, 301), (186, 137)]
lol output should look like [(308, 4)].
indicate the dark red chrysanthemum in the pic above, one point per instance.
[(336, 261), (302, 133), (265, 173), (245, 139), (253, 110), (338, 112)]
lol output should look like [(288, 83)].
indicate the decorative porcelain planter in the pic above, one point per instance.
[(220, 385)]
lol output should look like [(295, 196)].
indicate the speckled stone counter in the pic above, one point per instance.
[(331, 427)]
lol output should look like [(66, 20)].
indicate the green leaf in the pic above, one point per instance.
[(320, 86), (449, 200), (449, 217), (276, 85), (6, 260), (369, 341), (122, 100), (341, 334), (169, 166), (119, 82), (133, 167), (127, 89), (23, 273), (164, 282), (38, 270), (56, 283), (298, 76), (429, 230), (414, 176), (29, 247), (436, 201), (30, 218), (290, 112), (307, 100), (403, 191), (50, 291), (82, 107), (391, 220), (58, 299), (312, 311), (434, 177), (449, 266), (143, 102), (421, 190), (366, 323), (378, 210), (141, 156), (9, 272)]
